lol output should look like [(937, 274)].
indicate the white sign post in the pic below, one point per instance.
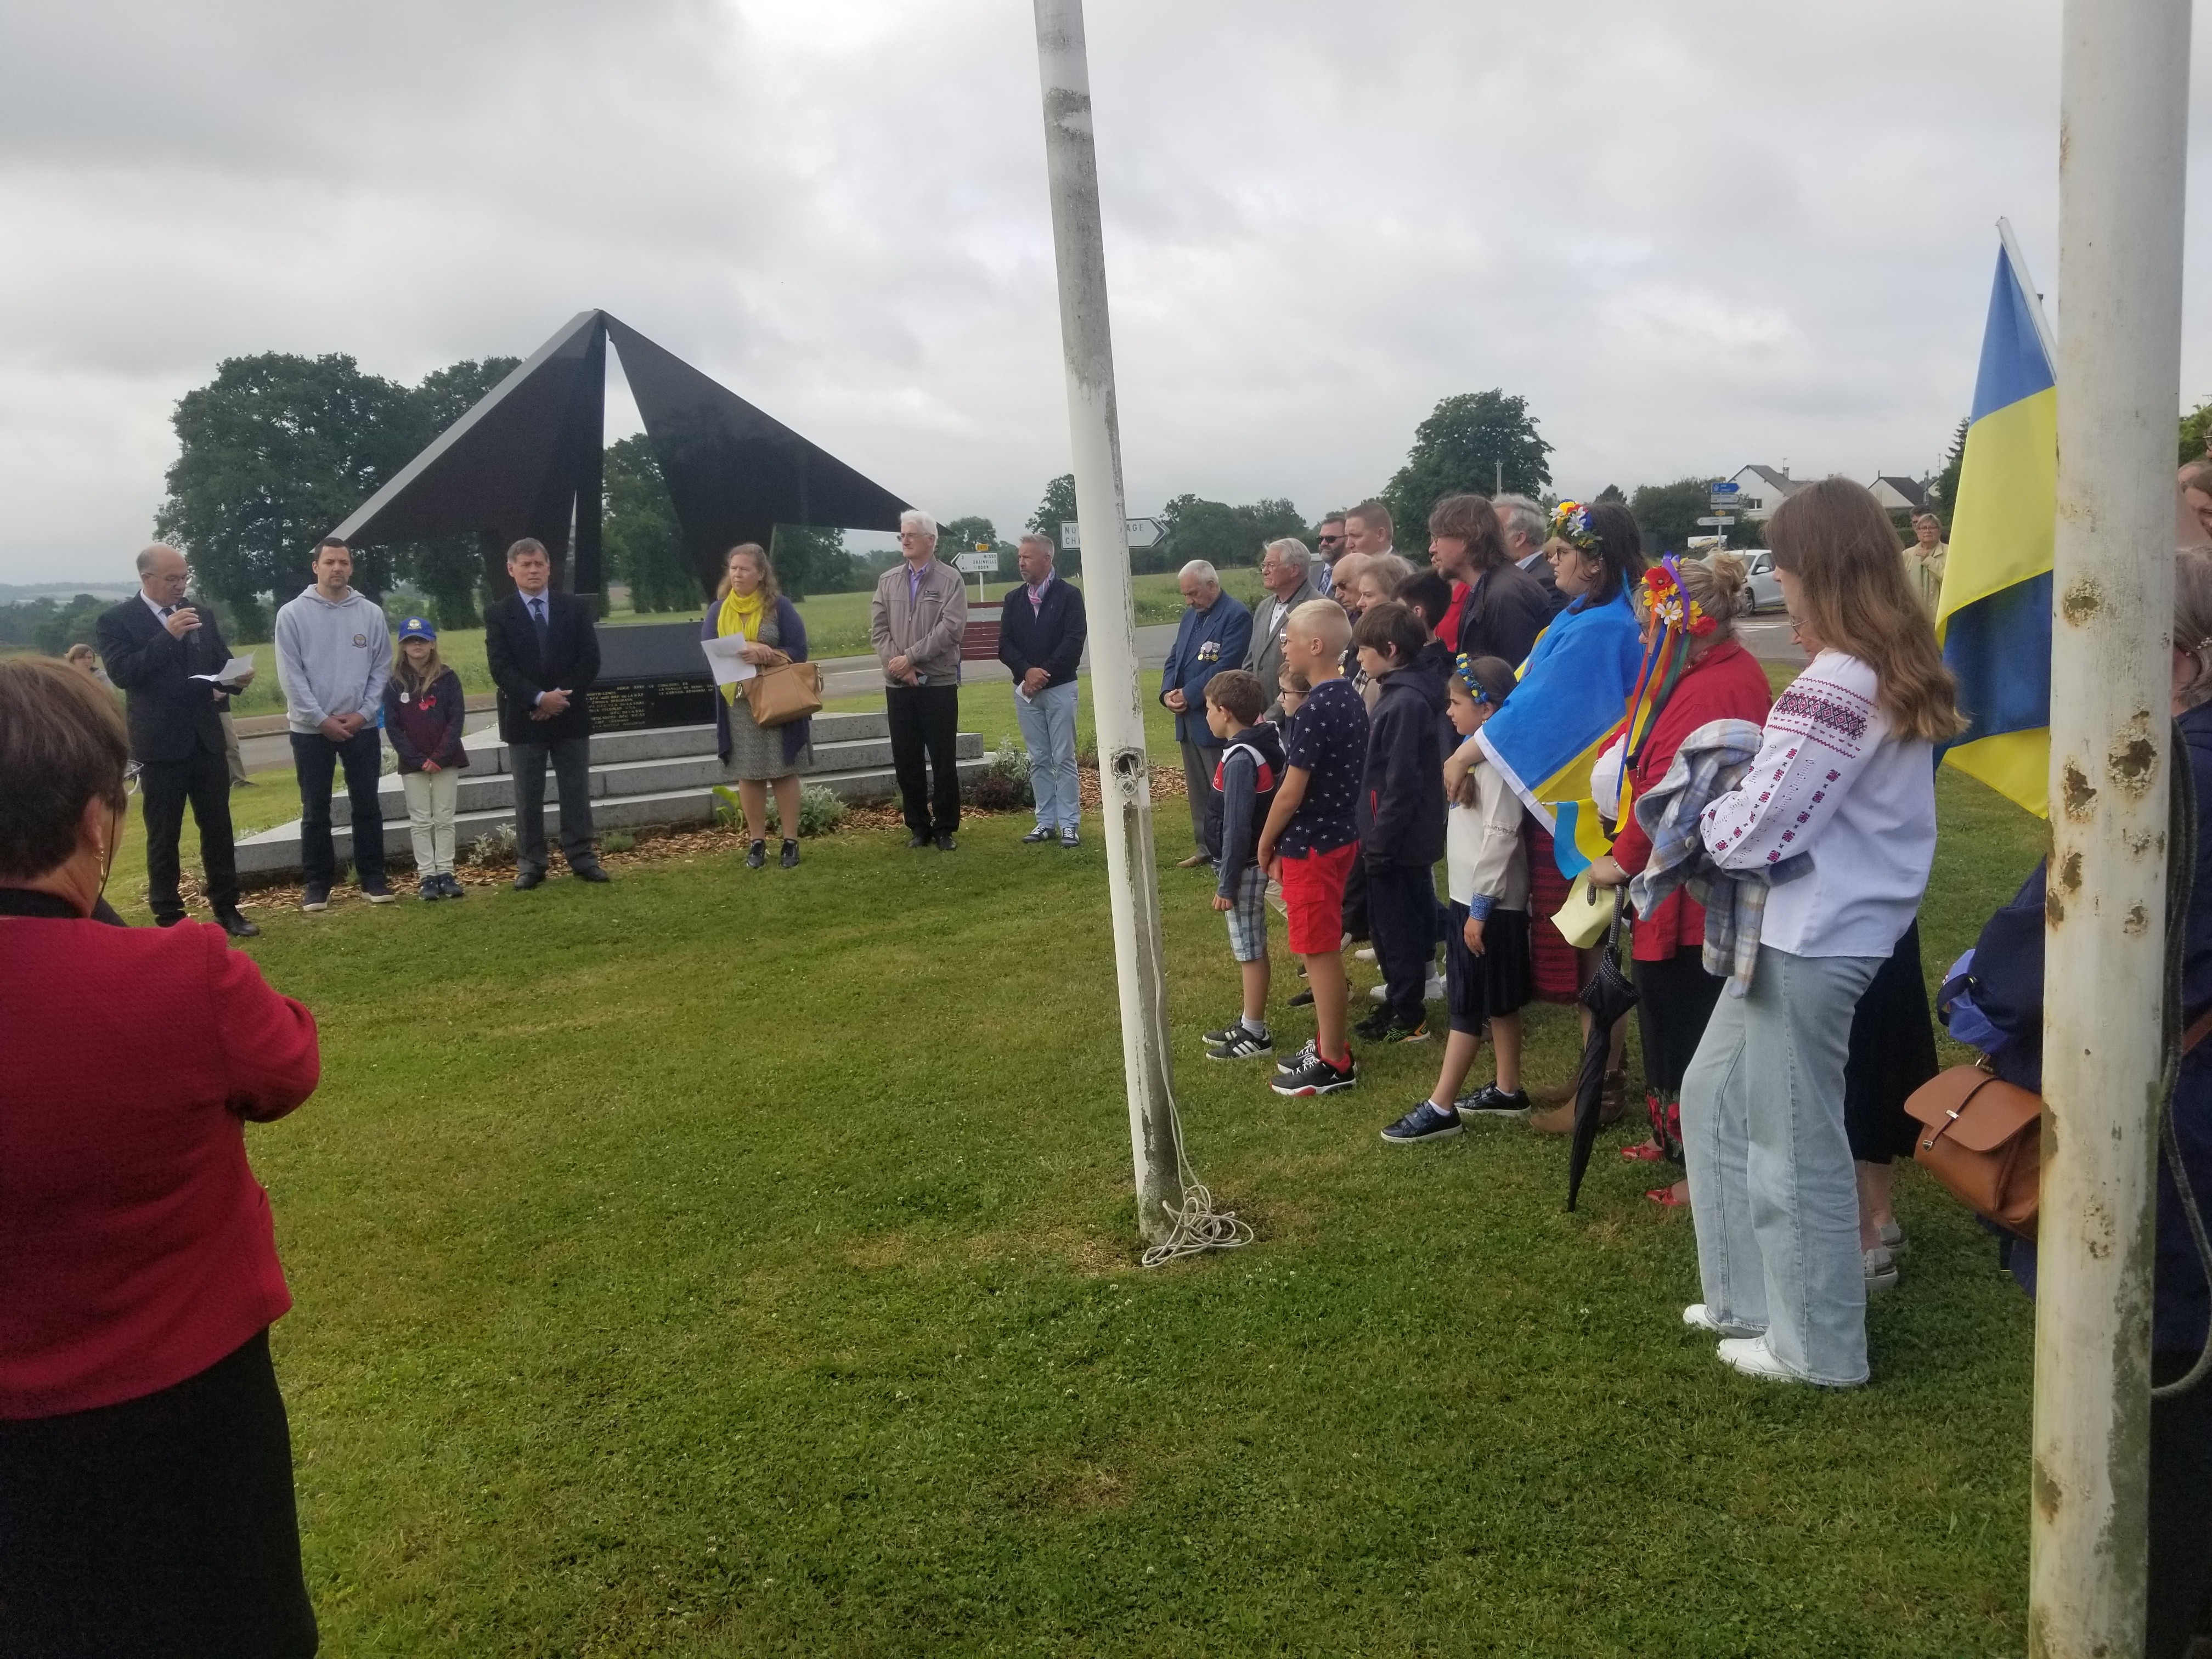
[(980, 563)]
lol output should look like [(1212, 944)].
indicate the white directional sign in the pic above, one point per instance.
[(1722, 518), (1143, 533), (985, 563)]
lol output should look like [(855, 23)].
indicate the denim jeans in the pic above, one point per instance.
[(1772, 1191), (316, 760), (1048, 723)]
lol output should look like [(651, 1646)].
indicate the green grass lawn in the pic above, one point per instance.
[(735, 1263)]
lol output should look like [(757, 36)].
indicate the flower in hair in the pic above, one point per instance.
[(1671, 603), (1570, 523), (1477, 692)]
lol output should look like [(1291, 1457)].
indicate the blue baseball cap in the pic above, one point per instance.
[(417, 628)]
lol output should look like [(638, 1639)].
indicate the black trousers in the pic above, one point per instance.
[(164, 787), (1893, 1053), (315, 761), (163, 1527), (1401, 913), (925, 719), (2180, 1518), (1673, 1001), (572, 781)]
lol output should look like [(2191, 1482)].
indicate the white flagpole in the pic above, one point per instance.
[(1124, 775), (2123, 124)]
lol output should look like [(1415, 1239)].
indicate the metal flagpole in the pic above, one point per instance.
[(2124, 126), (1125, 778)]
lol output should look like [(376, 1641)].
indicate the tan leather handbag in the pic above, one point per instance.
[(789, 691), (1983, 1138)]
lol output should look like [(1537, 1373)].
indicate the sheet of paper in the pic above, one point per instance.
[(231, 673), (729, 668)]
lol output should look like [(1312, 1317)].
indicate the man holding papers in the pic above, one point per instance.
[(154, 645)]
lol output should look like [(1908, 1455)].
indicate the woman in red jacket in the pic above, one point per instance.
[(146, 1503), (1720, 681)]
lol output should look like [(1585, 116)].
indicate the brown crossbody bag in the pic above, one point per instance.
[(1983, 1138)]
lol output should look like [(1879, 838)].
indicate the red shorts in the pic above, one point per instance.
[(1313, 893)]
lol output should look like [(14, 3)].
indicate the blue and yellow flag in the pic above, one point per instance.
[(1564, 715), (1994, 618)]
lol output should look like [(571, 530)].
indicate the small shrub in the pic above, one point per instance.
[(1003, 785), (820, 810), (496, 846), (729, 811), (617, 840)]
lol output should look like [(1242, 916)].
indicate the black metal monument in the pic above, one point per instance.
[(526, 460)]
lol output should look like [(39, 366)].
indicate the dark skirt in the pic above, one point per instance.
[(1496, 982), (1893, 1053), (160, 1528), (1673, 1001), (1559, 970)]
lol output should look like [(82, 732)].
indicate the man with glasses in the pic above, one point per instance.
[(1286, 572), (1525, 527), (916, 622), (1328, 538), (164, 652)]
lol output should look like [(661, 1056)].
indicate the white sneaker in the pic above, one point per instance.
[(1434, 989), (1379, 992), (1698, 1318), (1892, 1239), (1880, 1269), (1748, 1354), (1364, 953)]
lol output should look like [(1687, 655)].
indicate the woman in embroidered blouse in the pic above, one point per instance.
[(1840, 807)]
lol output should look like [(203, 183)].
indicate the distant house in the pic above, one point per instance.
[(1761, 489), (1899, 495)]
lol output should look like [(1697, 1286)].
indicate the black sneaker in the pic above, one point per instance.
[(757, 856), (1304, 1000), (1375, 1027), (378, 893), (789, 860), (1222, 1035), (315, 898), (1318, 1076), (1426, 1121), (1417, 1032), (1490, 1101), (1296, 1061), (1242, 1043), (453, 888)]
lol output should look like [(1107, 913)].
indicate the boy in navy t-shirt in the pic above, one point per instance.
[(1312, 837)]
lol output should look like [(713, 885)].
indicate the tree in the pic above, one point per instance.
[(2195, 433), (1943, 494), (1057, 508), (449, 569), (958, 536), (1473, 441), (810, 559), (639, 537), (1612, 493), (1225, 536), (1668, 513), (273, 452)]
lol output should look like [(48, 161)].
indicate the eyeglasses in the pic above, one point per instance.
[(1327, 541)]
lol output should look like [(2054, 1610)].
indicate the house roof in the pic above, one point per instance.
[(1782, 482), (1908, 487)]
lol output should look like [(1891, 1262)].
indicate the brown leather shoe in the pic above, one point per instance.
[(1560, 1120), (1194, 861)]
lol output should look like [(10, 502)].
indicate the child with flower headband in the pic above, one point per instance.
[(1486, 963)]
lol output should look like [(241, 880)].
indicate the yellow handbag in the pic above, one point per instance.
[(1587, 913)]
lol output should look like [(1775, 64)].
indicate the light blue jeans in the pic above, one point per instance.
[(1048, 723), (1771, 1187)]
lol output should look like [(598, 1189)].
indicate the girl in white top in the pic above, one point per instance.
[(1845, 783)]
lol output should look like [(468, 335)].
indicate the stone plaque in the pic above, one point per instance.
[(651, 674)]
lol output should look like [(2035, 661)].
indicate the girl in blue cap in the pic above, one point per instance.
[(422, 716)]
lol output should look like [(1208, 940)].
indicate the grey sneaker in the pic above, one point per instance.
[(1892, 1240), (1880, 1269)]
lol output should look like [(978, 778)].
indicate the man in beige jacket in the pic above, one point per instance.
[(917, 621)]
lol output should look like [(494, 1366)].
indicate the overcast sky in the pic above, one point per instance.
[(1692, 235)]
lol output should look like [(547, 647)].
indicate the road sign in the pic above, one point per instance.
[(1142, 532), (1727, 487), (985, 563), (1722, 518)]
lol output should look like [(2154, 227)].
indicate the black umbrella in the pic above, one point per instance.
[(1608, 996)]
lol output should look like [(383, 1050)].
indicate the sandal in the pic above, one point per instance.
[(1648, 1153), (1667, 1199)]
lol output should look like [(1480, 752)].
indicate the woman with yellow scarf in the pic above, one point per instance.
[(750, 603)]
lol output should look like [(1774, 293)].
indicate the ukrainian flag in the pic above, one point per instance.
[(1562, 716), (1994, 618)]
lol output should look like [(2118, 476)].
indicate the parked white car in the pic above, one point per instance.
[(1762, 590)]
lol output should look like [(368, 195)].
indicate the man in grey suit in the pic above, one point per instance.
[(1286, 573), (917, 621)]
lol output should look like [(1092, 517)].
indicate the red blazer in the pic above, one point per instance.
[(1726, 684), (136, 1246)]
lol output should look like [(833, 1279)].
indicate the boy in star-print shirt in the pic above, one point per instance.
[(1312, 837)]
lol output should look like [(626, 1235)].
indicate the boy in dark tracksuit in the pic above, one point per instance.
[(1250, 768), (1401, 816)]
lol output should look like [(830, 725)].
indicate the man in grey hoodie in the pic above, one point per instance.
[(333, 655)]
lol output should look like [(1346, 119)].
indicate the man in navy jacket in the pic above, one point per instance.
[(1041, 635), (1215, 633), (542, 649)]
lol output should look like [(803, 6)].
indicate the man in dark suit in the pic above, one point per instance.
[(1215, 633), (153, 644), (543, 651), (1041, 633)]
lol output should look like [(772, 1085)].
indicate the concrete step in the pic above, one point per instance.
[(274, 854), (482, 790), (488, 754)]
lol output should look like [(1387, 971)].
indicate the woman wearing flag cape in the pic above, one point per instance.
[(1565, 710)]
